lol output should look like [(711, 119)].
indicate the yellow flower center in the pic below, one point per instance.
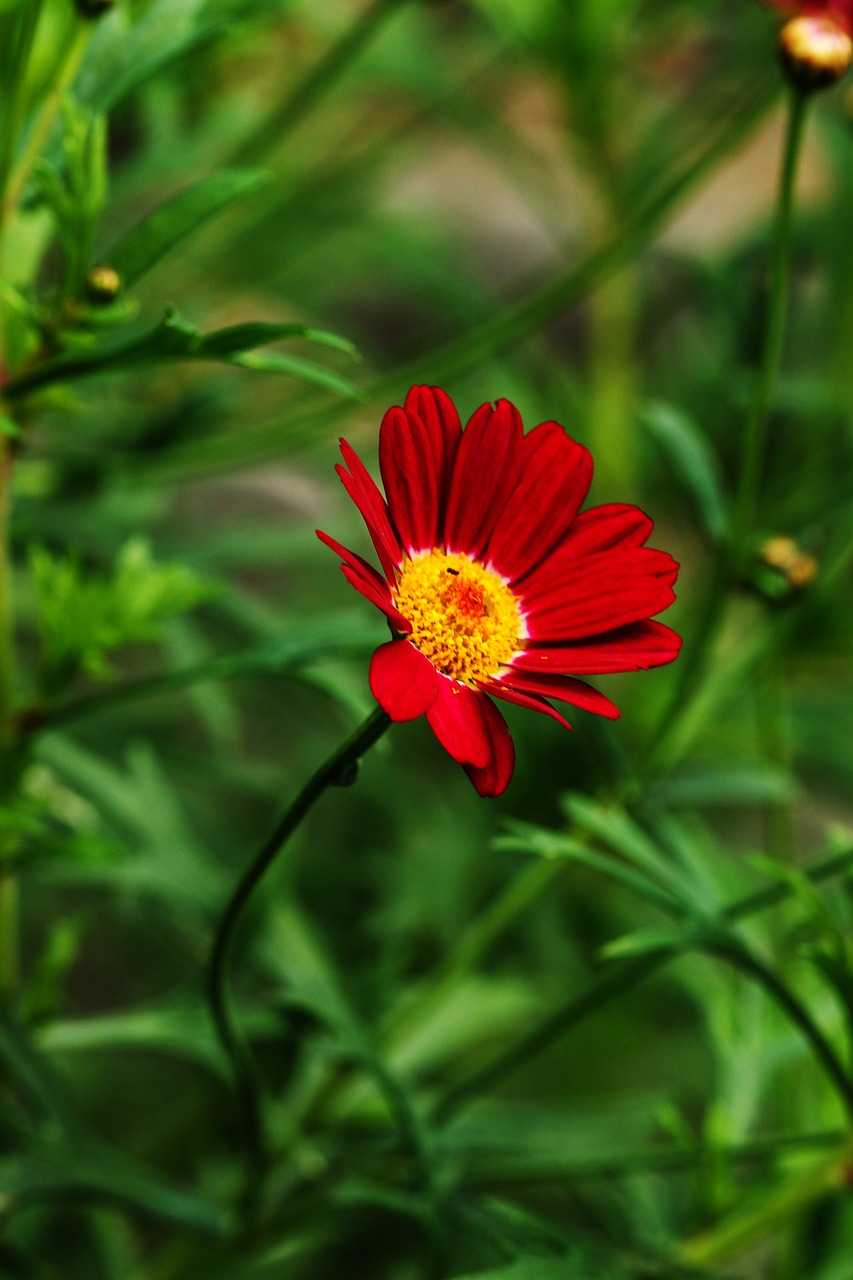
[(464, 617)]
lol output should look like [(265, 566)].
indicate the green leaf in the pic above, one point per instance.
[(300, 645), (83, 616), (719, 785), (128, 48), (528, 1269), (53, 1174), (171, 222), (693, 461), (174, 338), (617, 830), (648, 941), (527, 838), (224, 343), (304, 370), (177, 1029)]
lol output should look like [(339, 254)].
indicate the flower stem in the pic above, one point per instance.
[(753, 1222), (336, 769), (316, 83), (731, 553), (755, 442), (621, 976), (476, 943), (67, 70), (740, 957), (513, 324), (9, 975), (774, 732)]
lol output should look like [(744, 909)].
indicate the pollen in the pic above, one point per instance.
[(464, 617)]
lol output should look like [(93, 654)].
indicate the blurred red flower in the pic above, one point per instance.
[(493, 583), (816, 41)]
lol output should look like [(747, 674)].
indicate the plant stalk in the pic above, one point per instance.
[(732, 552), (319, 80), (334, 770)]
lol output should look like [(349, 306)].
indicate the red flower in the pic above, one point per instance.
[(493, 583)]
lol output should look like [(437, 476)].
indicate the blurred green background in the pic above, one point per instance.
[(518, 1038)]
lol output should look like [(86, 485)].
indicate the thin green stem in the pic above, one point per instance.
[(477, 941), (334, 770), (620, 977), (710, 613), (15, 69), (9, 966), (9, 975), (496, 1170), (741, 1230), (755, 438), (511, 326), (775, 745), (67, 69), (614, 381), (709, 698), (7, 649), (742, 958), (319, 80), (301, 649), (15, 97)]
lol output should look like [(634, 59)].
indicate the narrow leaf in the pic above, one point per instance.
[(174, 338), (304, 370), (693, 461), (171, 222)]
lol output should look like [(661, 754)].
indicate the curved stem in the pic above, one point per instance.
[(334, 770), (618, 978), (740, 957)]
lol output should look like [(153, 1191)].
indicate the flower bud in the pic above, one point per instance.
[(794, 568), (815, 51), (102, 286)]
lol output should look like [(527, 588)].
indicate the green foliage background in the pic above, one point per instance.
[(602, 1026)]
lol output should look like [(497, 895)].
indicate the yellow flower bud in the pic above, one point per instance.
[(815, 51), (103, 285)]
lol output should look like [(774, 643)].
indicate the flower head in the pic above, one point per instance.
[(816, 41), (494, 584)]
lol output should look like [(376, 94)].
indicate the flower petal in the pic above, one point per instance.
[(615, 525), (633, 648), (604, 592), (556, 473), (456, 719), (402, 680), (365, 579), (564, 689), (365, 493), (407, 460), (372, 590), (438, 414), (485, 474), (493, 778), (530, 700)]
